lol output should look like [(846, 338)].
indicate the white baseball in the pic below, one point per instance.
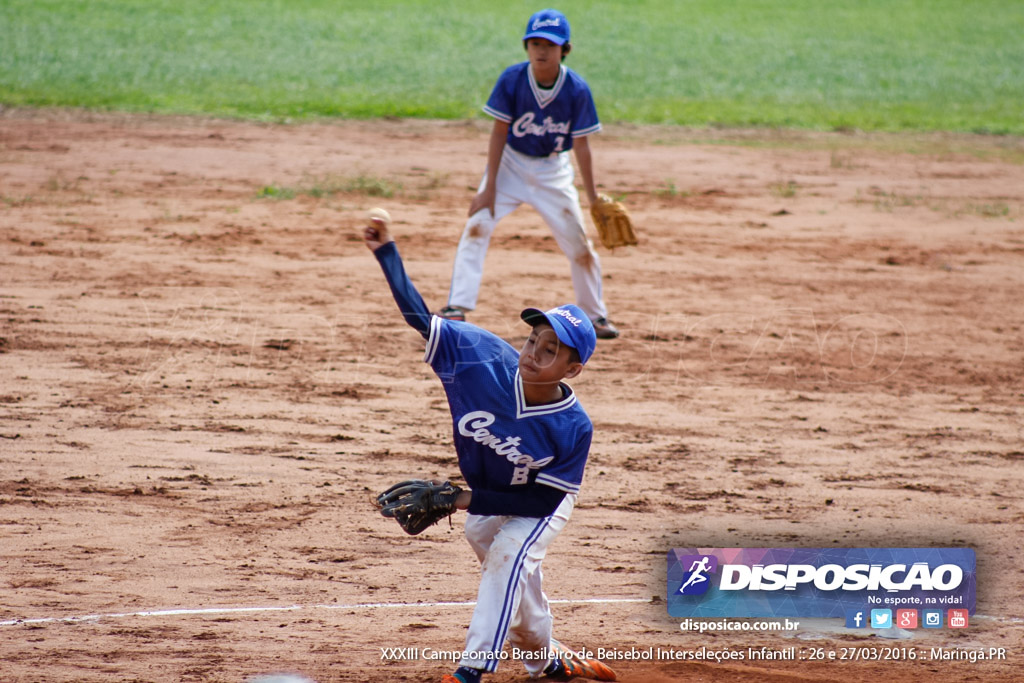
[(380, 214)]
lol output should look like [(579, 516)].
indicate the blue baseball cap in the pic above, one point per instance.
[(572, 327), (550, 24)]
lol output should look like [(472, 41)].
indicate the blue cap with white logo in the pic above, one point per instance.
[(571, 325), (550, 24)]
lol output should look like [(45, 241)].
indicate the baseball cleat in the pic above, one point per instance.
[(604, 329), (452, 313), (567, 665), (463, 674)]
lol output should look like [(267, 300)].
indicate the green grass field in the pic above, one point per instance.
[(819, 64)]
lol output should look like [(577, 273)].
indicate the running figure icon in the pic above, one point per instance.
[(697, 571)]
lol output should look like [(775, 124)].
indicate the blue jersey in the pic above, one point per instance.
[(542, 122), (503, 444)]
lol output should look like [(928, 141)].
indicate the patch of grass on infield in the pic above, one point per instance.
[(330, 185), (276, 192)]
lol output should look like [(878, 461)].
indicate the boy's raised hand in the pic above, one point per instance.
[(377, 233)]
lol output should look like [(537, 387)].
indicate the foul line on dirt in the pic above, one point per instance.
[(289, 608)]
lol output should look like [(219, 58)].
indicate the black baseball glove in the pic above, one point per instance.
[(417, 503)]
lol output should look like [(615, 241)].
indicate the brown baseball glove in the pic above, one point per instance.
[(613, 223), (417, 503)]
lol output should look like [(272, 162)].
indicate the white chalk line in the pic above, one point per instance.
[(289, 608)]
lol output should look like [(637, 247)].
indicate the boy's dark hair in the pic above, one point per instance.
[(566, 48), (574, 355)]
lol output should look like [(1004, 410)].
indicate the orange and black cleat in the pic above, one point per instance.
[(567, 665)]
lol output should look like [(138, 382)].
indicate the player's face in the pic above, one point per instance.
[(543, 359), (545, 58)]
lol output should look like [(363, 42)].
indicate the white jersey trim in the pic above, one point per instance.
[(544, 96), (433, 340), (555, 483), (497, 114), (524, 410), (586, 131)]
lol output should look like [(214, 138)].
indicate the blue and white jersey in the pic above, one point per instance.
[(502, 443), (542, 122)]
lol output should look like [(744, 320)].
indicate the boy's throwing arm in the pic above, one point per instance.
[(410, 303)]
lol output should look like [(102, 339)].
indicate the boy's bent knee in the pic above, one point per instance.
[(586, 259), (479, 226)]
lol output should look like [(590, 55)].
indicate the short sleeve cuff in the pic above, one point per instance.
[(555, 482), (501, 116), (433, 340), (596, 128)]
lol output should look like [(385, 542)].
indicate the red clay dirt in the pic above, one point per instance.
[(204, 379)]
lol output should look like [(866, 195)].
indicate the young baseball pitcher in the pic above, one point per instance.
[(541, 109), (522, 441)]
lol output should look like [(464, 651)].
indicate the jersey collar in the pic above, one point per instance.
[(523, 410), (546, 97)]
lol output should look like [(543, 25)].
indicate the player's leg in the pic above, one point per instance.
[(530, 630), (468, 270), (480, 531), (511, 557), (557, 201)]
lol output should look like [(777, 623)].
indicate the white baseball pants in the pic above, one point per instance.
[(546, 184), (511, 602)]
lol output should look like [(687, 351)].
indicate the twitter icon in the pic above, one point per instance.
[(881, 618)]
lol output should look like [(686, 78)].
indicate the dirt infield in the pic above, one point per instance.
[(203, 378)]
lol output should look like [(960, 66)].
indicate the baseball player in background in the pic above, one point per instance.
[(541, 109), (522, 441)]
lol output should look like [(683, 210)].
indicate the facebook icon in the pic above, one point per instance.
[(855, 618)]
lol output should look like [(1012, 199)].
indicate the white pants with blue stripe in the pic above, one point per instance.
[(546, 184), (511, 604)]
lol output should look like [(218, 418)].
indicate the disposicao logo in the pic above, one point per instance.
[(818, 582), (697, 579)]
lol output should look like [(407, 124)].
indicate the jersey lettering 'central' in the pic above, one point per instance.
[(525, 125), (474, 425)]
